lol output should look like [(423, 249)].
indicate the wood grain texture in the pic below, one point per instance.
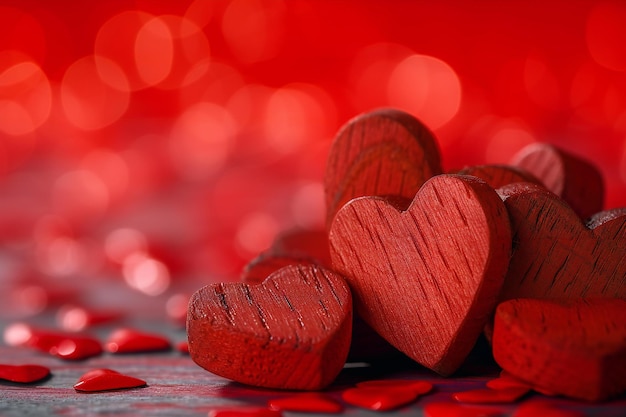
[(575, 348), (499, 175), (384, 152), (426, 277), (605, 216), (291, 332), (577, 181), (555, 255)]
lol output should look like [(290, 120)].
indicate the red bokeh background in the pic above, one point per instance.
[(169, 141)]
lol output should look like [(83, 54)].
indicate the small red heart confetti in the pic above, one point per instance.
[(74, 318), (306, 403), (506, 381), (244, 412), (76, 348), (545, 409), (459, 410), (134, 341), (23, 373), (106, 380), (419, 387), (491, 396), (183, 347), (379, 399)]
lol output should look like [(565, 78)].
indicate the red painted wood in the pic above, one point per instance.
[(575, 348), (294, 247), (577, 181), (606, 216), (555, 255), (491, 396), (306, 403), (419, 387), (379, 398), (292, 331), (106, 380), (24, 374), (384, 152), (426, 277), (460, 410), (261, 267), (499, 175), (128, 340)]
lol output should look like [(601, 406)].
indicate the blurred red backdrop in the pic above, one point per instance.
[(192, 132)]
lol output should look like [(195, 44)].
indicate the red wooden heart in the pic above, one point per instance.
[(106, 380), (261, 267), (575, 348), (292, 331), (384, 152), (24, 374), (426, 277), (555, 255), (134, 341), (499, 175), (575, 180)]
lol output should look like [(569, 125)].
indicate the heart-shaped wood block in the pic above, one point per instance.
[(499, 175), (426, 277), (575, 180), (555, 255), (384, 152), (292, 331), (575, 348)]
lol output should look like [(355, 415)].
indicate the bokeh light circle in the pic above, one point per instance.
[(426, 87), (94, 95)]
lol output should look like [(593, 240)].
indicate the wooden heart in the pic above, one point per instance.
[(384, 152), (555, 255), (426, 277), (575, 348), (499, 175), (575, 180), (292, 331)]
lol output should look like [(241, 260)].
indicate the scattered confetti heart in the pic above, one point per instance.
[(491, 396), (419, 387), (575, 348), (292, 331), (134, 341), (24, 374), (379, 399), (244, 412), (306, 403), (459, 410), (76, 348), (106, 380), (426, 277)]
